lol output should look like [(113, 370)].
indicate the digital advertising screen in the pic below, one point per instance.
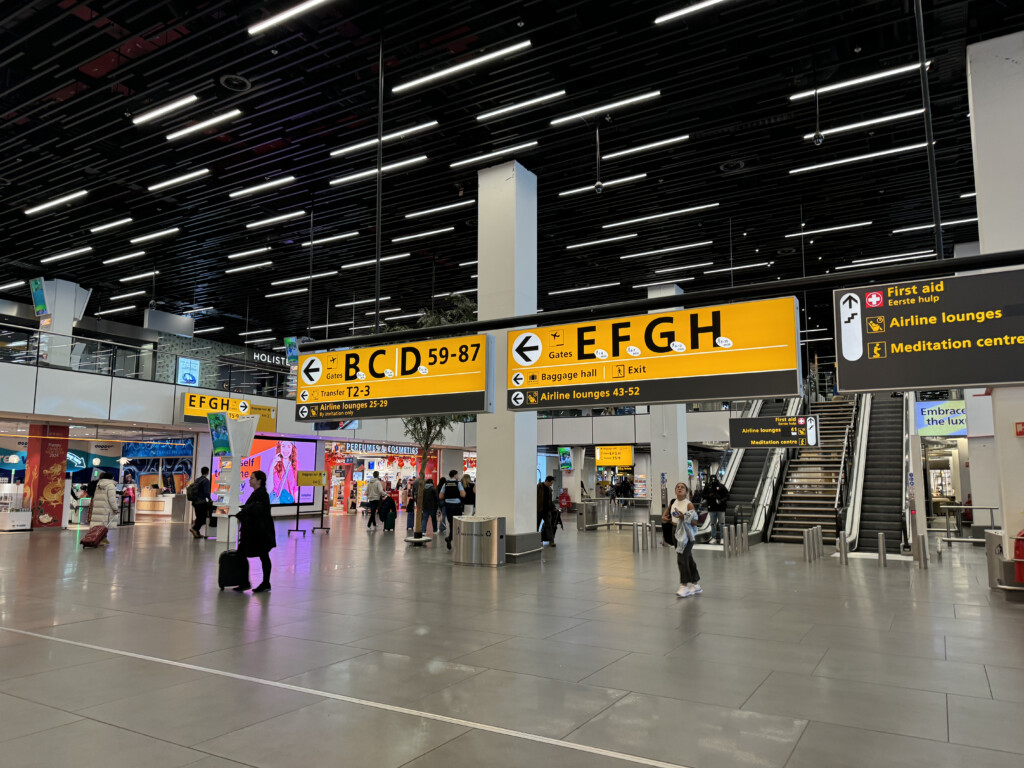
[(38, 296), (281, 460), (565, 459), (188, 371), (219, 433), (946, 418)]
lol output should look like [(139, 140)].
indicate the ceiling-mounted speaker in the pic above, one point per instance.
[(235, 83)]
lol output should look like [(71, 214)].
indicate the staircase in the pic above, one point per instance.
[(882, 495), (748, 476), (809, 491)]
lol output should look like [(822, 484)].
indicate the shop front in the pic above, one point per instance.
[(351, 464)]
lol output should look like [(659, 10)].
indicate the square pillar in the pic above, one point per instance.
[(668, 433), (46, 464)]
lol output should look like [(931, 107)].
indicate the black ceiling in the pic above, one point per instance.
[(75, 73)]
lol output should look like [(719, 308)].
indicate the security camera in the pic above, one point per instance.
[(819, 138), (599, 187)]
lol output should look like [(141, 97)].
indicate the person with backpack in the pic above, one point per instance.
[(546, 511), (374, 494), (452, 494), (198, 492), (431, 502), (717, 495)]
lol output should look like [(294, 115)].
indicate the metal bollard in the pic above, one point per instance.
[(881, 550), (655, 530), (744, 538), (807, 545), (844, 551), (726, 543), (922, 548), (820, 541), (645, 530), (636, 538)]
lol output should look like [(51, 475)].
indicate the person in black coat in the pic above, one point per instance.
[(256, 529)]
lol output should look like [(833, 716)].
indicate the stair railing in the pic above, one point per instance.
[(769, 487), (842, 487), (908, 502), (859, 465)]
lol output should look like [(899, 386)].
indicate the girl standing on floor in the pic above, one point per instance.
[(685, 516)]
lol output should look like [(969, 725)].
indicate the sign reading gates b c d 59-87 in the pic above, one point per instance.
[(724, 352), (928, 334), (414, 379)]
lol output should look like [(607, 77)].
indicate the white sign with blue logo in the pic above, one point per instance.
[(188, 371)]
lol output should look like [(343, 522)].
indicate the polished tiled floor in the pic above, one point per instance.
[(370, 654)]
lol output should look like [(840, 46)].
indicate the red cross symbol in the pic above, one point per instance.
[(874, 299)]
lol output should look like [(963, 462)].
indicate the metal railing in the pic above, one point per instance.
[(958, 511), (859, 464), (908, 502), (735, 457)]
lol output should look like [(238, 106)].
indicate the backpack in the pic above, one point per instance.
[(191, 490)]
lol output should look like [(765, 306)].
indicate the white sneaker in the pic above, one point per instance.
[(695, 589), (683, 591)]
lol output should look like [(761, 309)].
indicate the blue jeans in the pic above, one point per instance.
[(717, 519), (432, 516)]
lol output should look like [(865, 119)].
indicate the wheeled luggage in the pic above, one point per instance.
[(232, 569), (389, 522), (94, 536)]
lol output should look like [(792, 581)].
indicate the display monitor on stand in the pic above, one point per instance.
[(232, 439)]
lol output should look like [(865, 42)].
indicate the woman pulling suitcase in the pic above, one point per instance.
[(256, 530)]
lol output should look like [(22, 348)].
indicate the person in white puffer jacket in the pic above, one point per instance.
[(105, 508)]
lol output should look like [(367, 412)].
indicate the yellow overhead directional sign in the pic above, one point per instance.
[(414, 379), (198, 405), (722, 352), (614, 455), (306, 479)]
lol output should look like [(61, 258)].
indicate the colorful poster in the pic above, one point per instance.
[(44, 474), (219, 433), (565, 459), (281, 460)]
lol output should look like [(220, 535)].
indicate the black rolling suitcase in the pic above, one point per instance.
[(232, 569)]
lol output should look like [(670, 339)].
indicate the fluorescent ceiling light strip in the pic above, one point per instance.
[(328, 325), (208, 330), (242, 254), (331, 239), (881, 262), (198, 309), (831, 229), (419, 235), (57, 201), (583, 288), (520, 105), (367, 327), (645, 147), (665, 282), (155, 235), (247, 267), (12, 286), (815, 330), (204, 124), (665, 215), (867, 123), (455, 69), (495, 153), (126, 257), (66, 254), (291, 292), (859, 81), (468, 263), (385, 311), (116, 309), (859, 158), (259, 341), (686, 12), (178, 180), (606, 184), (361, 301), (406, 317), (140, 276), (112, 224), (685, 266), (373, 171), (170, 106), (278, 18), (454, 293), (374, 261), (672, 249), (253, 333), (127, 295), (260, 187), (599, 242), (932, 226), (813, 341), (428, 211), (386, 137), (274, 219), (607, 107), (869, 259), (737, 269), (305, 278), (965, 195)]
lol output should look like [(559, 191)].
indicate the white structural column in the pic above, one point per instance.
[(66, 304), (995, 81), (668, 434), (507, 286)]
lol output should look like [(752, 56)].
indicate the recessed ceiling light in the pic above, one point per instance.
[(304, 278), (583, 288), (605, 185), (672, 249), (859, 81), (198, 309), (686, 12), (428, 211), (510, 108), (665, 215), (496, 153), (867, 123), (384, 311), (685, 266), (646, 147), (178, 179), (331, 239), (208, 330), (881, 260), (665, 282), (167, 108), (66, 254), (859, 158), (253, 333), (386, 137), (736, 269), (12, 286), (126, 257), (284, 180), (353, 265), (155, 235), (329, 325), (291, 292), (277, 18), (831, 229), (127, 295), (254, 251), (111, 224), (419, 235), (139, 276), (965, 195), (406, 317), (599, 242), (57, 201), (607, 107), (361, 301), (932, 226), (116, 309), (373, 171), (455, 69), (468, 263), (274, 219), (204, 124), (247, 267), (259, 341)]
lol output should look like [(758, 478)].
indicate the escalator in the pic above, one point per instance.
[(752, 465), (882, 494)]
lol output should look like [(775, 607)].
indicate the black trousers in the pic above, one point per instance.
[(265, 562), (450, 511), (374, 506), (202, 509), (668, 533), (688, 573)]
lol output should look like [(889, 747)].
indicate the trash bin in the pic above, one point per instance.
[(478, 540), (994, 557)]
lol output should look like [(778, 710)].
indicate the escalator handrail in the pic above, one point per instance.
[(765, 498), (856, 495)]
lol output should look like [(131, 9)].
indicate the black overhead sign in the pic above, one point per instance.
[(952, 332), (773, 432)]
